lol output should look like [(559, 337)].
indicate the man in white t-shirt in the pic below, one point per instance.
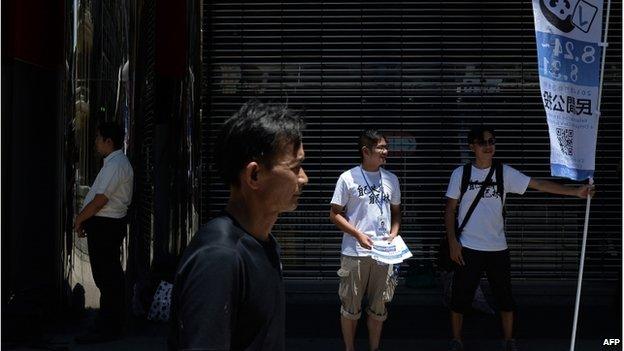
[(103, 221), (366, 206), (482, 245)]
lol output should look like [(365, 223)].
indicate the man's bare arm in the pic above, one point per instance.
[(556, 188), (336, 216), (93, 207)]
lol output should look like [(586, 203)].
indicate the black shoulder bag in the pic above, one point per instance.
[(444, 254)]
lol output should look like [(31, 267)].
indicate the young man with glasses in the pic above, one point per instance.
[(366, 206), (482, 245)]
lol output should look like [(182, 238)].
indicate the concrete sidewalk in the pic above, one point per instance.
[(157, 343), (417, 321)]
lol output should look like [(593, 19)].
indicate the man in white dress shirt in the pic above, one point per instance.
[(103, 221)]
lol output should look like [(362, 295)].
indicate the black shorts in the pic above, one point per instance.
[(496, 265)]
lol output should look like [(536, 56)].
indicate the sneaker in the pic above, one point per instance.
[(456, 345), (510, 345)]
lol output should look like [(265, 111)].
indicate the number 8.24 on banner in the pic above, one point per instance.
[(567, 60)]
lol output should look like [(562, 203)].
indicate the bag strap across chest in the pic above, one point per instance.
[(500, 184)]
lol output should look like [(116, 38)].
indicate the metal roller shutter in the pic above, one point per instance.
[(423, 72), (142, 215)]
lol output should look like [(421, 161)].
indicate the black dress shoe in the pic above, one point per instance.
[(96, 337)]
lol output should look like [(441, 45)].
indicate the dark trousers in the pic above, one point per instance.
[(104, 237), (497, 266)]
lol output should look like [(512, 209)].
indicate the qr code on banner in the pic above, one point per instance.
[(565, 137)]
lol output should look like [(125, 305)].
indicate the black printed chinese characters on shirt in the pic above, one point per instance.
[(490, 191), (373, 193)]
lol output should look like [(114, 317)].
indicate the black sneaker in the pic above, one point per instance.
[(456, 345), (510, 345)]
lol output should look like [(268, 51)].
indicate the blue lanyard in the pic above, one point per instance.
[(379, 202)]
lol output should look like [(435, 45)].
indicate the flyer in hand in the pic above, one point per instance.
[(391, 252)]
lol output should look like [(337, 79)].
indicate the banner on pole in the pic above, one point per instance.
[(568, 35)]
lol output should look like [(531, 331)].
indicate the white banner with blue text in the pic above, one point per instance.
[(568, 34)]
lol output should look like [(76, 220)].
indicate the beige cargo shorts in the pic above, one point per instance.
[(361, 276)]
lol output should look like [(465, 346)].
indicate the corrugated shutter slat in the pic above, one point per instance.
[(423, 72)]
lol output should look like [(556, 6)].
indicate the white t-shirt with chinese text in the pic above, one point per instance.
[(485, 230), (115, 181), (361, 199)]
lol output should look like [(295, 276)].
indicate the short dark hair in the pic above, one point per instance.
[(112, 131), (369, 138), (476, 133), (259, 132)]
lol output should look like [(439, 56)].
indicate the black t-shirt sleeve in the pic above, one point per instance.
[(206, 297)]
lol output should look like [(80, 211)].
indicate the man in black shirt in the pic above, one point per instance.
[(228, 291)]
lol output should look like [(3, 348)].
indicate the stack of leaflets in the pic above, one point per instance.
[(390, 252)]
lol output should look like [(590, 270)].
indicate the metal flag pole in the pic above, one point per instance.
[(580, 276), (604, 45)]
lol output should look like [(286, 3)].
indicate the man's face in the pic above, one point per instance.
[(484, 149), (281, 185), (103, 146), (378, 154), (100, 146)]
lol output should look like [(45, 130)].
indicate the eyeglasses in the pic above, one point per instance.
[(490, 141)]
